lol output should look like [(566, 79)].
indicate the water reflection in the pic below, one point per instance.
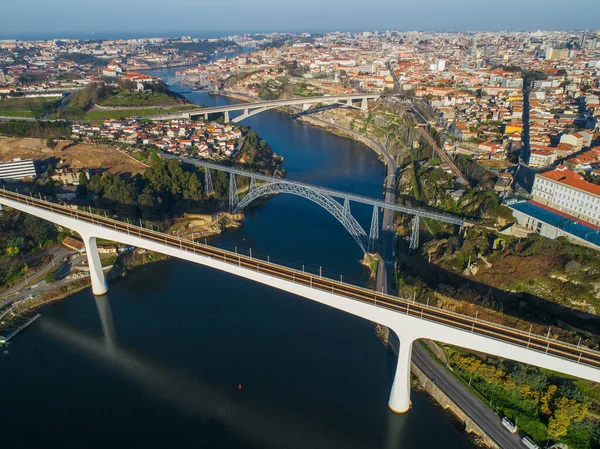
[(248, 419)]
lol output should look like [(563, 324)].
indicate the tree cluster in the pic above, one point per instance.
[(559, 407), (164, 189), (37, 130), (19, 234)]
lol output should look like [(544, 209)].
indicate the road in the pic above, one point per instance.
[(261, 105), (479, 412), (59, 253), (467, 401)]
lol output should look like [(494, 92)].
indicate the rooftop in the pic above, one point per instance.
[(568, 177), (560, 220)]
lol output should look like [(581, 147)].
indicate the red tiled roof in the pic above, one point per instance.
[(568, 177)]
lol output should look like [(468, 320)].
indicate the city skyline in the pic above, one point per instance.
[(68, 20)]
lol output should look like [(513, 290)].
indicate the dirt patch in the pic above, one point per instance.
[(77, 156)]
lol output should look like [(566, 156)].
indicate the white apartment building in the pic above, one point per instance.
[(17, 169), (568, 192), (541, 158)]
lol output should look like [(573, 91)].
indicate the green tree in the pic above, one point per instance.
[(566, 411), (83, 180), (38, 230)]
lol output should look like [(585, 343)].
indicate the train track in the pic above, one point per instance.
[(436, 148), (578, 354)]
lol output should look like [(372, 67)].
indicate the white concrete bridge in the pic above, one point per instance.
[(250, 109), (409, 320)]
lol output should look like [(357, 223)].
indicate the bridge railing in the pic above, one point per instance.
[(579, 354)]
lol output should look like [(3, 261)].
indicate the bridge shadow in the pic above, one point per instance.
[(521, 305), (245, 417)]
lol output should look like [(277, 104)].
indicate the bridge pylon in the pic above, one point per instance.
[(208, 184), (234, 198), (374, 233), (414, 238), (364, 104), (252, 183), (400, 395), (99, 286)]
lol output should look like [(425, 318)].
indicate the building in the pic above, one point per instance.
[(566, 191), (439, 66), (541, 158), (17, 169), (533, 217), (557, 53), (74, 244)]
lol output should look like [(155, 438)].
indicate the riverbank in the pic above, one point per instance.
[(334, 129), (190, 226), (432, 379)]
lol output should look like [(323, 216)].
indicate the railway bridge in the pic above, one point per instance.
[(409, 320), (334, 201)]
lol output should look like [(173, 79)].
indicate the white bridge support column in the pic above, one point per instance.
[(364, 104), (306, 106), (226, 118), (400, 394), (99, 286)]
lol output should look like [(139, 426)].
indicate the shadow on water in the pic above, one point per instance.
[(248, 419)]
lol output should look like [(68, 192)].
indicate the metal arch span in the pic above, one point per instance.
[(326, 202)]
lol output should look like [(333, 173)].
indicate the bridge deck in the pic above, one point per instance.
[(426, 213), (540, 344), (279, 103)]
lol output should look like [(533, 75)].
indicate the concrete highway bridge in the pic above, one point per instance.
[(409, 320), (250, 109), (261, 185)]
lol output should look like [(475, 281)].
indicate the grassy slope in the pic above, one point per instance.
[(27, 107)]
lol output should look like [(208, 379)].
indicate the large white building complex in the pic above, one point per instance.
[(17, 169), (567, 191), (564, 204)]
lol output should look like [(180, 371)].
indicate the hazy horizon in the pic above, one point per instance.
[(136, 18)]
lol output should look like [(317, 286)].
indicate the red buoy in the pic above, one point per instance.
[(239, 386)]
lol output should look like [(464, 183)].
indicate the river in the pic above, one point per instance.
[(178, 355)]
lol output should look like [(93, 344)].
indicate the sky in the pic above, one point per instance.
[(202, 18)]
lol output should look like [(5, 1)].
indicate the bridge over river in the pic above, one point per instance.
[(409, 320)]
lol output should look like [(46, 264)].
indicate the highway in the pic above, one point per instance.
[(515, 337), (279, 103), (256, 107)]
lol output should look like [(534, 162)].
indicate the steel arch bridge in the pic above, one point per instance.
[(326, 198), (341, 213)]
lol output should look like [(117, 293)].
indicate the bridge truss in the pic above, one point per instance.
[(261, 185)]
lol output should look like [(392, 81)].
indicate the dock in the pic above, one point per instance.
[(20, 329)]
